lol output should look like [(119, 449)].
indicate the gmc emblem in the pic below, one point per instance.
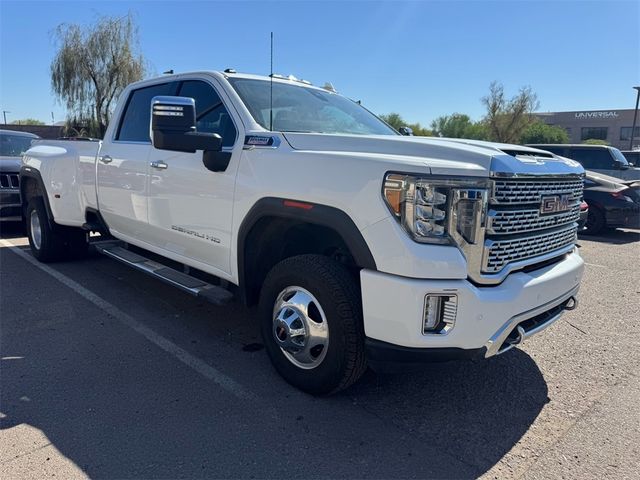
[(555, 204)]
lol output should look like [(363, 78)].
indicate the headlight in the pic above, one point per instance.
[(436, 210)]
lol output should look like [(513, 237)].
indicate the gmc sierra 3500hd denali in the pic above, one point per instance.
[(361, 246)]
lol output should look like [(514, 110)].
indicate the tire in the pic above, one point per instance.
[(596, 221), (332, 363), (52, 244)]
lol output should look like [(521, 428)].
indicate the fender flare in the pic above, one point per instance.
[(307, 212), (30, 172)]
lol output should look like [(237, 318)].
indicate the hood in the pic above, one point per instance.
[(10, 164), (610, 183), (444, 156)]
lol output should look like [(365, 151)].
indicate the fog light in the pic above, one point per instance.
[(439, 313)]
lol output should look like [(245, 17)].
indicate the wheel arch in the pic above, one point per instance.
[(313, 227), (32, 185)]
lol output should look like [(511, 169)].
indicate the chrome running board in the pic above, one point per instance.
[(187, 283)]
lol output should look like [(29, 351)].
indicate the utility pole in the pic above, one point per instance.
[(4, 114), (635, 116)]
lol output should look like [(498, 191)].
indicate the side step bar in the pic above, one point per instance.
[(212, 293)]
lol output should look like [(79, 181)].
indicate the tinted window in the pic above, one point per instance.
[(625, 133), (597, 133), (552, 149), (211, 116), (14, 145), (135, 123), (632, 157), (592, 157)]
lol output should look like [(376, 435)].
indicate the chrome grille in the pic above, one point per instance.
[(516, 232), (9, 180), (499, 253), (504, 222), (513, 192)]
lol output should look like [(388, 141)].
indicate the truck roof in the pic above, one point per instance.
[(581, 145), (230, 73)]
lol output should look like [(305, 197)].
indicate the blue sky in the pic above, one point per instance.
[(421, 59)]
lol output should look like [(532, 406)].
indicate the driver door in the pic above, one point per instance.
[(190, 207)]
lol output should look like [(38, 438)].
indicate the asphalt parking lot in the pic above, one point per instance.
[(107, 373)]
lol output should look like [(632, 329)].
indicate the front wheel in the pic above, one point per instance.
[(596, 221), (311, 322)]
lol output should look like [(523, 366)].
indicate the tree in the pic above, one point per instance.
[(508, 118), (92, 67), (396, 121), (540, 132), (459, 125), (27, 121), (419, 130), (595, 141)]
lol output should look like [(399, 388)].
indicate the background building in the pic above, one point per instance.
[(613, 126)]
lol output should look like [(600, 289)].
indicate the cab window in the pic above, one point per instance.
[(211, 115), (592, 158), (134, 126)]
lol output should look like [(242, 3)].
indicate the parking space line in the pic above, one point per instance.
[(168, 346)]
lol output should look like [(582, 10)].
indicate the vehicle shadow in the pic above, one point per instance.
[(12, 230), (117, 407), (613, 236), (474, 412), (454, 420)]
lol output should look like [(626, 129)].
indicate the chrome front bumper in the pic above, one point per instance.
[(527, 324)]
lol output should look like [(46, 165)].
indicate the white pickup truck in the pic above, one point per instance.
[(361, 246)]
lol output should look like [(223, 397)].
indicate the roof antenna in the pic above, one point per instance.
[(271, 89)]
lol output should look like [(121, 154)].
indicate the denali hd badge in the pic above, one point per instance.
[(555, 204)]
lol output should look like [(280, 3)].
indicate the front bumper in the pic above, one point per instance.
[(487, 318), (627, 216), (10, 205)]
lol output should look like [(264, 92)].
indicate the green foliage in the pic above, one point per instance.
[(93, 65), (595, 141), (477, 131), (27, 121), (540, 132), (507, 119), (459, 125), (396, 121)]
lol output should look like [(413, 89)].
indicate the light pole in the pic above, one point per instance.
[(635, 116), (4, 114)]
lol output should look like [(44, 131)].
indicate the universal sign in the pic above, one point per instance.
[(596, 115)]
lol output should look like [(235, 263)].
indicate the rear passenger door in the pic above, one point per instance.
[(123, 165), (190, 207)]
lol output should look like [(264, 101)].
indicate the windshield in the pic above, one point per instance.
[(14, 145), (302, 109), (617, 154)]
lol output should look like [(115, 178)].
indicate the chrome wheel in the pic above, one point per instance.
[(300, 327), (36, 230)]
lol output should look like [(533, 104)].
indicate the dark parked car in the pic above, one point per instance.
[(12, 146), (612, 202), (597, 158), (632, 156)]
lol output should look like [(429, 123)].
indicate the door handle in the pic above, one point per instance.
[(159, 165), (106, 159)]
